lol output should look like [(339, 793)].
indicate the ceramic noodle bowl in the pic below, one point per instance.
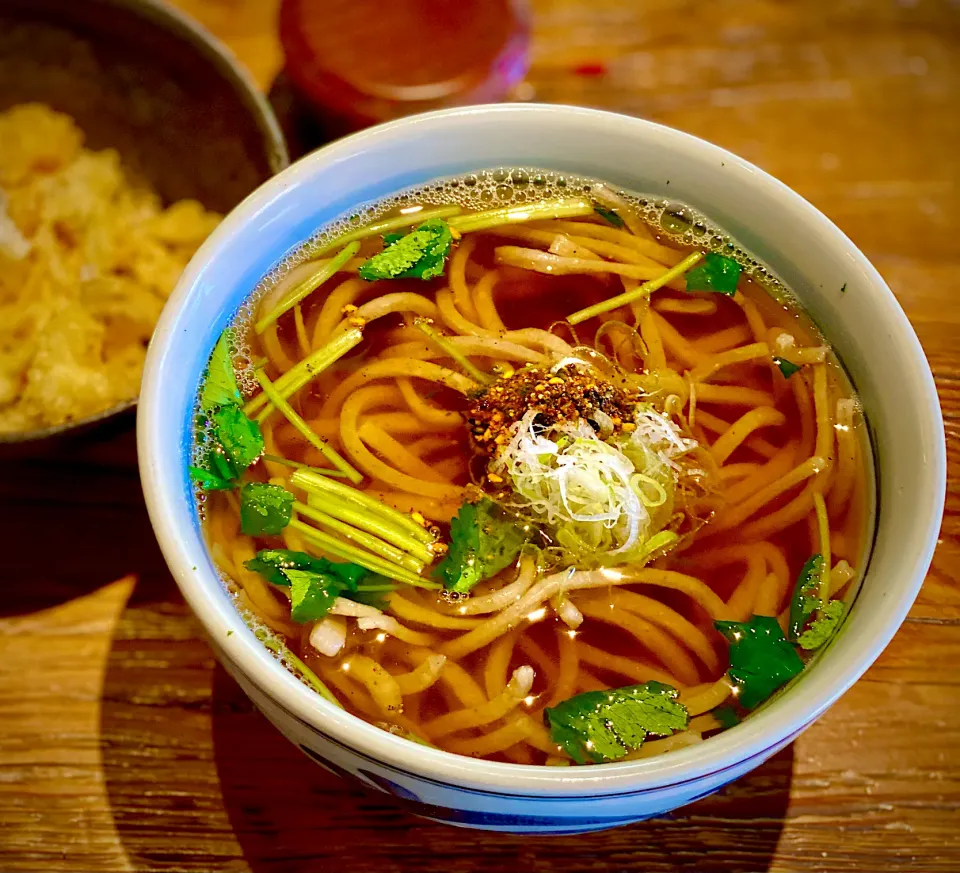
[(834, 284)]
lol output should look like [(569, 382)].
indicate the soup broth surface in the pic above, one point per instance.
[(666, 501)]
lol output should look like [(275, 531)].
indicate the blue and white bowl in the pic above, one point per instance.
[(865, 325)]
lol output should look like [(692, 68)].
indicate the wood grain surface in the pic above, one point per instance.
[(123, 746)]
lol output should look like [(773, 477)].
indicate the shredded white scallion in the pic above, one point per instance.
[(603, 500)]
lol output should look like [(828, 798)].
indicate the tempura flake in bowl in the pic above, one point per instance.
[(88, 256)]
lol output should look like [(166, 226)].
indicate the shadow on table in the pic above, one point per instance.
[(74, 520), (289, 815), (199, 780)]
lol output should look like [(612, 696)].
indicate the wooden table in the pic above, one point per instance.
[(123, 746)]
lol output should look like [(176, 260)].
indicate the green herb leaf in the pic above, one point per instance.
[(273, 564), (351, 575), (805, 600), (220, 383), (390, 238), (377, 596), (483, 540), (311, 594), (219, 474), (209, 481), (240, 437), (316, 582), (265, 509), (716, 273), (788, 368), (605, 725), (220, 464), (609, 215), (824, 625), (417, 255), (761, 659), (727, 716)]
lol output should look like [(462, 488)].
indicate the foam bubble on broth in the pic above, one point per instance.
[(674, 221)]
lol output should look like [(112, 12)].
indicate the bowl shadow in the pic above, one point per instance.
[(290, 816), (198, 780)]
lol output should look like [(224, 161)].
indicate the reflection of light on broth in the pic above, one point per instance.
[(86, 263)]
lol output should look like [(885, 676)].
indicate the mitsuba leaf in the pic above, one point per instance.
[(824, 625), (761, 659), (806, 604), (209, 481), (788, 368), (350, 575), (220, 383), (727, 716), (220, 464), (603, 726), (316, 582), (805, 600), (483, 540), (378, 599), (311, 594), (419, 254), (265, 509), (235, 441), (239, 436), (273, 563), (218, 475), (715, 273)]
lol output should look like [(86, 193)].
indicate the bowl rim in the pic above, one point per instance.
[(751, 741), (228, 66)]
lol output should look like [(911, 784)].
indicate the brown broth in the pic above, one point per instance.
[(528, 299)]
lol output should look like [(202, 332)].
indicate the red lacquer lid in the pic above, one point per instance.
[(360, 62)]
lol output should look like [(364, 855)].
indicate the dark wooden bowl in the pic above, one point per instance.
[(143, 79)]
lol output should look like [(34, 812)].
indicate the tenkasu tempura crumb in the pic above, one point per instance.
[(87, 259)]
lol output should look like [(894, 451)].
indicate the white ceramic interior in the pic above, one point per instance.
[(865, 325)]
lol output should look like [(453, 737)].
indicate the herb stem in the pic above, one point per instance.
[(380, 527), (310, 284), (569, 207), (374, 544), (305, 672), (302, 372), (823, 529), (323, 487), (337, 547), (444, 344), (321, 445), (645, 290), (296, 465), (387, 225)]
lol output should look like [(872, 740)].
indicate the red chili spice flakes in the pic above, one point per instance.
[(569, 394)]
